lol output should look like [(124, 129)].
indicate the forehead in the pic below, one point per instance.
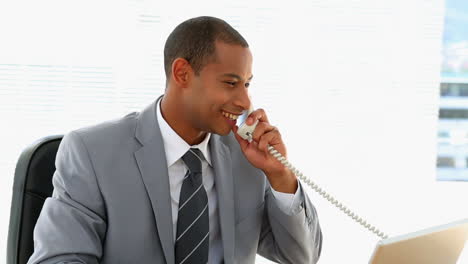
[(232, 59)]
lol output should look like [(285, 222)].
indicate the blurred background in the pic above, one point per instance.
[(371, 96)]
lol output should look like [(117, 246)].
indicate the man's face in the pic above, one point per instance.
[(221, 88)]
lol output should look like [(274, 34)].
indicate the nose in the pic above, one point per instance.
[(243, 99)]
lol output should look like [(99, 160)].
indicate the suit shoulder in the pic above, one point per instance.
[(115, 130)]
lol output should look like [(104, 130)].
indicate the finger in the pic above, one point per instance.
[(259, 115), (260, 129), (270, 138)]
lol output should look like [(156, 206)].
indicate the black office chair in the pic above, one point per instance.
[(32, 185)]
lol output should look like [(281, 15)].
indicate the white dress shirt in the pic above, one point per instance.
[(175, 147)]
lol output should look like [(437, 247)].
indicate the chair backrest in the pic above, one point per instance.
[(32, 185)]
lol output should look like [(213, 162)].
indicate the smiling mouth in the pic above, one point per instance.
[(230, 116)]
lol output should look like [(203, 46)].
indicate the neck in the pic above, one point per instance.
[(174, 116)]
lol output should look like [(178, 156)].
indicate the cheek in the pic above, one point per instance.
[(214, 96)]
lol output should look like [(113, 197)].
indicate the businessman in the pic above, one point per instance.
[(175, 183)]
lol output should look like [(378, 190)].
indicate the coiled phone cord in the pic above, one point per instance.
[(324, 194)]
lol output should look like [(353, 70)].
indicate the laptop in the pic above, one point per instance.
[(436, 245)]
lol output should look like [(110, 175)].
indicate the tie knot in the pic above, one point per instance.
[(192, 158)]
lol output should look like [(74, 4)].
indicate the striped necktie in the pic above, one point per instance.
[(192, 239)]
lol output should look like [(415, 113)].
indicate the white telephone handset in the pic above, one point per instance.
[(246, 132)]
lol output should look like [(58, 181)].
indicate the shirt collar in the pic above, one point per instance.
[(174, 146)]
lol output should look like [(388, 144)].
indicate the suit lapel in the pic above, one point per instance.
[(151, 160), (221, 158)]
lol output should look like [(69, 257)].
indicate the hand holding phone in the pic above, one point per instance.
[(269, 139), (254, 138)]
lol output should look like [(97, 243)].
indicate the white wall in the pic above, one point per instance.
[(352, 85)]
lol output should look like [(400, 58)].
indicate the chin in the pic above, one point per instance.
[(222, 132), (225, 133)]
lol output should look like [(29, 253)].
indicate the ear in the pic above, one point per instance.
[(181, 72)]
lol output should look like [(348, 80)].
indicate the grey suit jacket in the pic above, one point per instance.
[(111, 202)]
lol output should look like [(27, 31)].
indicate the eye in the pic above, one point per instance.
[(247, 85), (231, 83)]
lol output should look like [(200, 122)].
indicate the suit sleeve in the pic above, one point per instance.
[(288, 202), (290, 238), (72, 223)]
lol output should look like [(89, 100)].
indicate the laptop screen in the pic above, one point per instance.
[(436, 245)]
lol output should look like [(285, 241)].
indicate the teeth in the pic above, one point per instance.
[(230, 116)]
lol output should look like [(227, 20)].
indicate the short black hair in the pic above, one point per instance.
[(194, 40)]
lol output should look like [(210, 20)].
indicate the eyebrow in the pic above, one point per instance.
[(233, 75)]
